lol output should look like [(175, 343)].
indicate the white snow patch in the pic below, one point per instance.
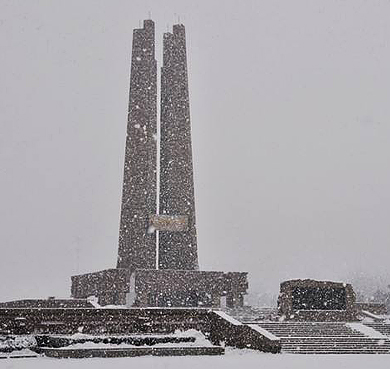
[(17, 353), (151, 229), (227, 317), (234, 358), (368, 331), (264, 332), (373, 316), (94, 301), (200, 341), (114, 307), (17, 342)]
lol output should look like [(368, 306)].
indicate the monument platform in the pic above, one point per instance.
[(162, 288), (165, 274)]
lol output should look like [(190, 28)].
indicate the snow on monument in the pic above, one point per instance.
[(171, 276)]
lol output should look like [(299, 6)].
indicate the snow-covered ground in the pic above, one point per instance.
[(233, 359)]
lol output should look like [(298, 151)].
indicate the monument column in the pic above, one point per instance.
[(177, 242), (137, 246)]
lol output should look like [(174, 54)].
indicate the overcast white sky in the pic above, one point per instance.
[(291, 138)]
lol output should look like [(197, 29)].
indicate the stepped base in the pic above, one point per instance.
[(131, 352), (101, 325), (327, 338), (381, 327), (136, 340)]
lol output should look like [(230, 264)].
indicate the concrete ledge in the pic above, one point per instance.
[(47, 341), (131, 352)]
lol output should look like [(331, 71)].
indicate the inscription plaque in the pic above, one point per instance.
[(169, 223), (325, 298)]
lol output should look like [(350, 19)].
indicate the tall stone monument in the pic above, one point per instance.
[(177, 250), (137, 246), (171, 276)]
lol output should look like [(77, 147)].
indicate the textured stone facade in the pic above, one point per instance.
[(188, 288), (110, 286), (311, 300), (137, 246), (177, 249)]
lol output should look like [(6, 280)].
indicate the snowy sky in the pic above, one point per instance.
[(291, 136)]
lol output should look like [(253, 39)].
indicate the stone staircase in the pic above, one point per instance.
[(327, 338), (310, 329), (381, 327)]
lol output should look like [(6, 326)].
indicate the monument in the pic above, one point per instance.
[(312, 316), (311, 300), (167, 275)]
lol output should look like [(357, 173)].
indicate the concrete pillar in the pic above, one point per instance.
[(177, 249), (137, 245)]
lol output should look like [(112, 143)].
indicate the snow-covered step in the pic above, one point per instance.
[(312, 329), (131, 351), (57, 341), (19, 354), (383, 328), (327, 338)]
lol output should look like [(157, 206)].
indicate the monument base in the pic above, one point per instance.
[(187, 288), (110, 286), (162, 288)]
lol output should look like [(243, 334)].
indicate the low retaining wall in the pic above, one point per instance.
[(217, 326), (233, 333)]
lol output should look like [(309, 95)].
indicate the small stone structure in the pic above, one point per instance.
[(311, 300)]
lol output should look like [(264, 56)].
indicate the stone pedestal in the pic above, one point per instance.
[(311, 300)]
